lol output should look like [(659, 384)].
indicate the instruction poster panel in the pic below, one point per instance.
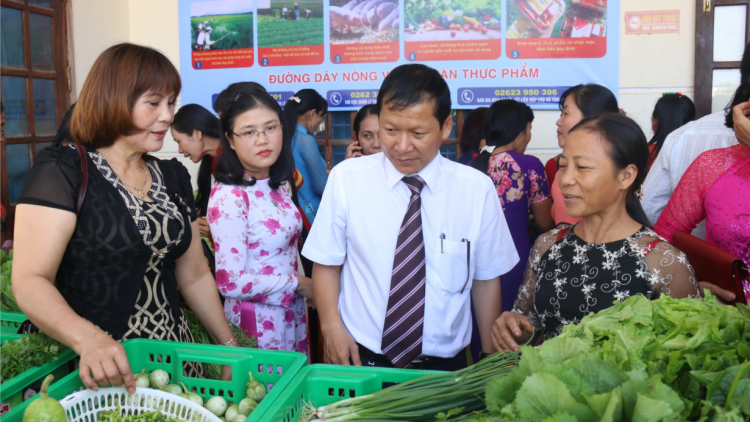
[(527, 50)]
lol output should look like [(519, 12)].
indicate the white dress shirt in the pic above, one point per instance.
[(680, 149), (357, 226)]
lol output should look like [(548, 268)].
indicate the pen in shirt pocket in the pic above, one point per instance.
[(442, 237)]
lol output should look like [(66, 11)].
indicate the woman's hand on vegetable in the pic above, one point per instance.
[(509, 329), (106, 360), (205, 229), (304, 287), (353, 150)]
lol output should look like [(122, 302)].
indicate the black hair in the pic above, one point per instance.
[(309, 99), (626, 145), (671, 112), (472, 131), (591, 99), (362, 114), (505, 120), (411, 84), (742, 93), (63, 136), (233, 90), (193, 117), (230, 170)]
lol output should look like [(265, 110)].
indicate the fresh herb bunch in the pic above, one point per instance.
[(200, 335), (423, 399), (639, 360), (7, 300), (115, 416), (26, 352)]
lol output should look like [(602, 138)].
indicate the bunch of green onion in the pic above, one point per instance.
[(459, 393)]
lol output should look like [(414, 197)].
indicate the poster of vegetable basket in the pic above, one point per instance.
[(221, 34), (452, 29)]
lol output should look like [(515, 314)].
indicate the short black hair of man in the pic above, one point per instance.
[(412, 84)]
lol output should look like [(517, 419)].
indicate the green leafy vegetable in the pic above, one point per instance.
[(115, 416), (7, 300), (640, 360), (25, 353)]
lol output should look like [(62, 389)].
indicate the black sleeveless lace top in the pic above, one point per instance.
[(118, 270)]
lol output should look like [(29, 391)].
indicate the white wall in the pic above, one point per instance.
[(98, 24), (649, 64)]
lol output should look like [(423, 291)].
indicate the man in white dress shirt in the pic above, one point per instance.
[(404, 240), (685, 144)]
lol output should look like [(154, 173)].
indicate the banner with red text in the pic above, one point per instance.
[(529, 50)]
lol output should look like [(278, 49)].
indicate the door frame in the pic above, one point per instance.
[(704, 50)]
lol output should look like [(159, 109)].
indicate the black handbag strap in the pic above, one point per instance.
[(85, 177)]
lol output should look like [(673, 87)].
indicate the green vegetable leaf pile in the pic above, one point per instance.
[(640, 360), (7, 301), (115, 416), (26, 352)]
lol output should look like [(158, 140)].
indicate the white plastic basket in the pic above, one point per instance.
[(84, 406)]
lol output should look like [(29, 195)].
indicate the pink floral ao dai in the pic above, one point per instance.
[(255, 231)]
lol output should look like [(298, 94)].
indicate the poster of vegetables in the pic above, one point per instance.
[(433, 20)]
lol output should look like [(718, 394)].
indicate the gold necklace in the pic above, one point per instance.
[(140, 191)]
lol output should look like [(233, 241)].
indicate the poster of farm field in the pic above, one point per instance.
[(222, 34), (290, 33)]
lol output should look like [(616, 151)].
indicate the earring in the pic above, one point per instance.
[(639, 192)]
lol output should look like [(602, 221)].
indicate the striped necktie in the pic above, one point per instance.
[(404, 319)]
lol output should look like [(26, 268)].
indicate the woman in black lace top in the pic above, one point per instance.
[(611, 254), (109, 271)]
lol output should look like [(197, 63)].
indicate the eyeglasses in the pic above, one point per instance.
[(250, 135)]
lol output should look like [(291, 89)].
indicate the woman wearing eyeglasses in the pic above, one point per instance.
[(255, 225)]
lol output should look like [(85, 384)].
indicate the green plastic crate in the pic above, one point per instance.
[(274, 369), (11, 392), (326, 384), (10, 322)]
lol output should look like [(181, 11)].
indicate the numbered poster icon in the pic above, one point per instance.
[(290, 32), (364, 31), (557, 29), (221, 34), (452, 30)]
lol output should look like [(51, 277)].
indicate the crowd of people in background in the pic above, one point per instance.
[(399, 257)]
